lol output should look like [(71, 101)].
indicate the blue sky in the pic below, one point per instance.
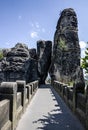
[(27, 21)]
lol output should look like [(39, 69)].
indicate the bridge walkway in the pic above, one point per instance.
[(47, 111)]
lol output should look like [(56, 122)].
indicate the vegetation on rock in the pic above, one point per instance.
[(62, 44), (1, 54), (85, 61)]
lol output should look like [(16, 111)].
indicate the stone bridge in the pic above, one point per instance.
[(23, 71), (52, 107)]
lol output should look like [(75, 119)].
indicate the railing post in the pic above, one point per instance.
[(62, 89), (77, 88), (31, 85), (74, 97), (36, 85), (21, 87), (64, 92), (8, 90), (87, 107), (28, 92)]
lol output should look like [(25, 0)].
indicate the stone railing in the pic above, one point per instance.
[(14, 98), (76, 97)]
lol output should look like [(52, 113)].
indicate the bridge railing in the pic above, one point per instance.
[(76, 97), (14, 98)]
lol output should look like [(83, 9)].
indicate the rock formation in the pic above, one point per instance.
[(32, 73), (44, 50), (25, 64), (66, 49), (18, 64), (33, 66), (33, 53)]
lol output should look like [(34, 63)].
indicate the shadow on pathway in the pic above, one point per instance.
[(59, 118)]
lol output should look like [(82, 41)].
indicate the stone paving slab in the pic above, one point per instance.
[(47, 111)]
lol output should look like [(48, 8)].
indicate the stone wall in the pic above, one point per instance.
[(14, 99), (76, 97), (5, 122)]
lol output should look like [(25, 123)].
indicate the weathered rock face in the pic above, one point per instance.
[(32, 73), (33, 53), (1, 74), (18, 64), (44, 50), (17, 57), (33, 66), (66, 50), (15, 64)]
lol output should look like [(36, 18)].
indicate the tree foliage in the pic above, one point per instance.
[(85, 61), (1, 54), (62, 44)]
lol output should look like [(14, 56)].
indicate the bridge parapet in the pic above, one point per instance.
[(76, 97), (5, 122), (14, 98)]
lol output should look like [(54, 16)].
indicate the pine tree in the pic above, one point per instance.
[(85, 61)]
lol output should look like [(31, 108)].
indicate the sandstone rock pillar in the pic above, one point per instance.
[(44, 50), (65, 66)]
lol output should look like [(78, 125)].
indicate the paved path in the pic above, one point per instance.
[(48, 112)]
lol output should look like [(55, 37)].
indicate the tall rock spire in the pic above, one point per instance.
[(44, 50), (66, 50)]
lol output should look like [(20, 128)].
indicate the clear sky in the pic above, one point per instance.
[(27, 21)]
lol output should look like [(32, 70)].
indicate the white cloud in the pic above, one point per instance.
[(19, 17), (36, 30), (43, 30), (31, 24), (34, 25), (34, 34), (83, 53), (37, 25), (7, 43), (82, 44)]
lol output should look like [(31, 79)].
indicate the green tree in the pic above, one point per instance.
[(85, 61)]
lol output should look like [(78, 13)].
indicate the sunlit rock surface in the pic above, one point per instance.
[(66, 50)]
